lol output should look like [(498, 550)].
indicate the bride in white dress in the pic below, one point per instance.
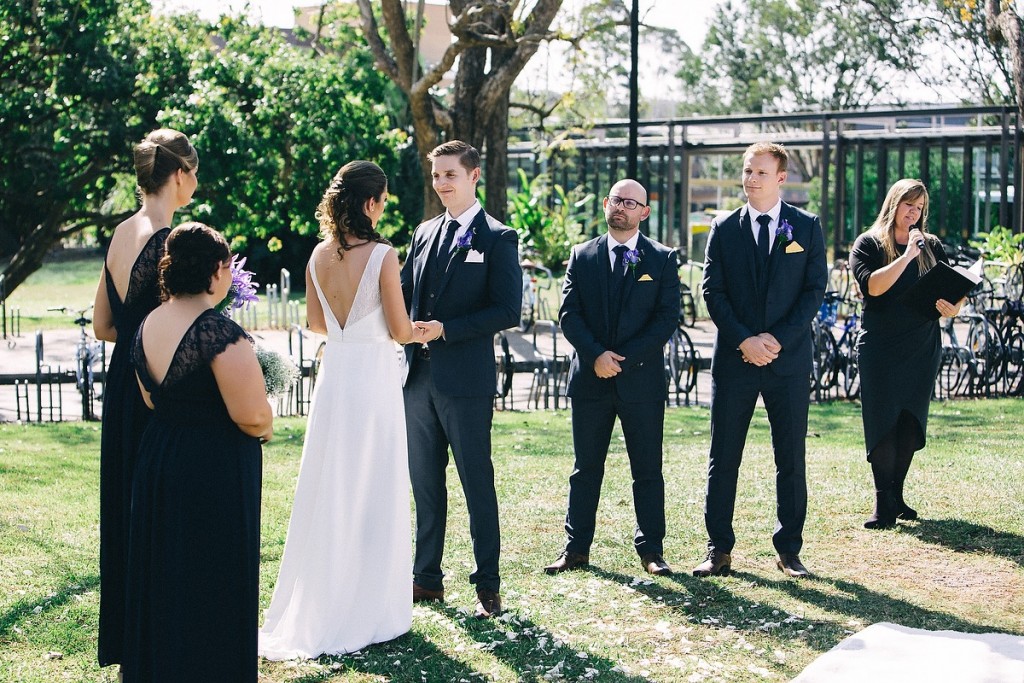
[(344, 577)]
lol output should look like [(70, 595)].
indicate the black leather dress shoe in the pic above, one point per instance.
[(567, 561), (654, 563), (790, 565), (421, 594), (488, 604), (717, 564)]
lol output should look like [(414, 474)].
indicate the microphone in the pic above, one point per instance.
[(920, 242)]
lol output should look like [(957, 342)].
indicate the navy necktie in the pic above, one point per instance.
[(446, 243), (762, 236), (619, 271)]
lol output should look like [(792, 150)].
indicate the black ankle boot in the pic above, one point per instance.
[(902, 466), (884, 516), (903, 511)]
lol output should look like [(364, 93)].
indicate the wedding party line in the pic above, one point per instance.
[(406, 383)]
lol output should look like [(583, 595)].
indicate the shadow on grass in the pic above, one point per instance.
[(23, 608), (713, 603), (967, 537), (533, 652), (400, 660), (856, 600)]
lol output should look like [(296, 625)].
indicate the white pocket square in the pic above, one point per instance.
[(474, 256)]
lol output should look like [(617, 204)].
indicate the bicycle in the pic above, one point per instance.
[(681, 366), (687, 306), (88, 352)]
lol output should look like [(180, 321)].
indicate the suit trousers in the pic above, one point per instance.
[(732, 405), (643, 428), (433, 422)]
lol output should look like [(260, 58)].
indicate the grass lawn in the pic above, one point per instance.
[(960, 567), (69, 280)]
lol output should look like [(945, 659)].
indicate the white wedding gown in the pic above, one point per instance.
[(346, 575)]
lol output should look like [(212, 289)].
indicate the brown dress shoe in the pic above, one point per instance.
[(421, 594), (791, 566), (655, 564), (568, 561), (717, 564), (488, 604)]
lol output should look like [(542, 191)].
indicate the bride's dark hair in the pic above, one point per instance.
[(340, 212)]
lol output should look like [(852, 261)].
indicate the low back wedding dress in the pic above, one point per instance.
[(345, 577)]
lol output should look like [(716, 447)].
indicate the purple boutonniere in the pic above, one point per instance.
[(784, 233), (465, 243), (243, 289), (631, 259)]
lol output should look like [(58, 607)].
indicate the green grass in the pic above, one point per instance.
[(960, 567), (69, 280)]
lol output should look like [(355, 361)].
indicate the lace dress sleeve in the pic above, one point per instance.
[(209, 335)]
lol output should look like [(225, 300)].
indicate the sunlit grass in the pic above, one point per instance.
[(960, 567)]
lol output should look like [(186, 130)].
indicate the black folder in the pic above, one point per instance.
[(941, 282)]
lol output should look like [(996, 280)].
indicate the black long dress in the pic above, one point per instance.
[(193, 556), (124, 418), (899, 350)]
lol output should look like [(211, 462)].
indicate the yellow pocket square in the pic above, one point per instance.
[(645, 278), (793, 248)]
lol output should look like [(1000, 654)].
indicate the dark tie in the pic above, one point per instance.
[(446, 243), (619, 271), (615, 291), (762, 236)]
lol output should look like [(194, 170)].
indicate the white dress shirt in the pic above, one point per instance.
[(630, 244), (773, 225), (465, 219)]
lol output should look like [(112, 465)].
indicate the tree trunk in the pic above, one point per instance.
[(1004, 25)]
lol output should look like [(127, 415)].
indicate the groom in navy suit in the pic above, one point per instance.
[(620, 305), (462, 280), (764, 279)]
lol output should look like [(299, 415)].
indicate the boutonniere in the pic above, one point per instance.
[(784, 233), (465, 243), (632, 259)]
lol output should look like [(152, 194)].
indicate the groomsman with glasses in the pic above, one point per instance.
[(620, 306)]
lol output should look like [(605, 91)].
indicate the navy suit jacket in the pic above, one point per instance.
[(781, 300), (475, 299), (648, 316)]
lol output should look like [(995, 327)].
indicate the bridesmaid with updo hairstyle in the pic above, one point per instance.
[(192, 586), (165, 170)]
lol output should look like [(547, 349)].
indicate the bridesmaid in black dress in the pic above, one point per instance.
[(165, 169), (899, 349), (193, 554)]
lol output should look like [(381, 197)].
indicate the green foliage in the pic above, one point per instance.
[(780, 55), (549, 220), (1000, 245), (273, 122)]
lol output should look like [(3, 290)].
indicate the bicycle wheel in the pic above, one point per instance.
[(1013, 363), (952, 372), (681, 362), (687, 307), (849, 362), (823, 368), (986, 352)]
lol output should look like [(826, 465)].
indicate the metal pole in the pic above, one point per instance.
[(634, 88)]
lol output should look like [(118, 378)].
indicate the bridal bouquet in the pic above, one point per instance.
[(243, 289), (279, 373)]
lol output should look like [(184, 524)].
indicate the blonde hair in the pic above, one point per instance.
[(773, 148), (884, 227)]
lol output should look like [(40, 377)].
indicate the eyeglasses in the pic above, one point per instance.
[(628, 203)]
